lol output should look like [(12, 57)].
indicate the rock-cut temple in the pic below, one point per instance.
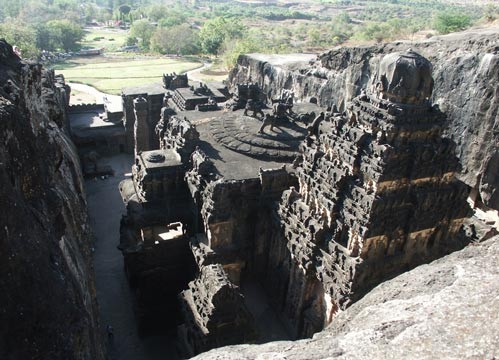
[(318, 208)]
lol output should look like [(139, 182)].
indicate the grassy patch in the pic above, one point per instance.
[(109, 39), (111, 75)]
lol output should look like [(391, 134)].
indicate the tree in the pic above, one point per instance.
[(143, 30), (314, 37), (232, 49), (343, 17), (491, 12), (130, 41), (447, 22), (11, 8), (180, 39), (215, 31), (155, 12), (36, 12), (65, 34), (45, 39), (124, 11), (172, 18), (90, 11), (23, 37), (66, 5), (375, 31)]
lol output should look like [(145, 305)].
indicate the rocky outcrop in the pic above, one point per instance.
[(446, 309), (48, 306), (466, 73)]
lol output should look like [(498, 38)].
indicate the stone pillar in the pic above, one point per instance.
[(141, 126), (128, 122)]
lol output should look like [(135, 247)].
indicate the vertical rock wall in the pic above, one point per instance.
[(48, 306)]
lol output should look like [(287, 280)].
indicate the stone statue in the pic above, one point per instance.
[(313, 128), (284, 104), (267, 120), (255, 107), (306, 117)]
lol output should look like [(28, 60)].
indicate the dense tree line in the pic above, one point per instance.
[(52, 25), (227, 29)]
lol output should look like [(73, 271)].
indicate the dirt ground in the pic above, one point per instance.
[(81, 97)]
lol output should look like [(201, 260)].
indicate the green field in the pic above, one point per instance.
[(107, 39), (110, 75)]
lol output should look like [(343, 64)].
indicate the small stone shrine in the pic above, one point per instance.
[(156, 174), (202, 97), (174, 81), (243, 93), (159, 255)]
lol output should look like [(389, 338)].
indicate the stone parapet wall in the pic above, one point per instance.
[(85, 107)]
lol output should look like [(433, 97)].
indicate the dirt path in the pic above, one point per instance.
[(194, 74), (82, 93), (197, 74), (113, 293)]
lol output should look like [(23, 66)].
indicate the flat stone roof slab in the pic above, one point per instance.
[(155, 159), (150, 89), (88, 119)]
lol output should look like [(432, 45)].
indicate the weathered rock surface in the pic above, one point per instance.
[(48, 306), (465, 70), (444, 310)]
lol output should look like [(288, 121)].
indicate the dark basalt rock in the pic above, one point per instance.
[(405, 78), (48, 306), (215, 313)]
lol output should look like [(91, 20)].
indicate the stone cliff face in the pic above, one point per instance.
[(47, 305), (466, 73), (443, 310)]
